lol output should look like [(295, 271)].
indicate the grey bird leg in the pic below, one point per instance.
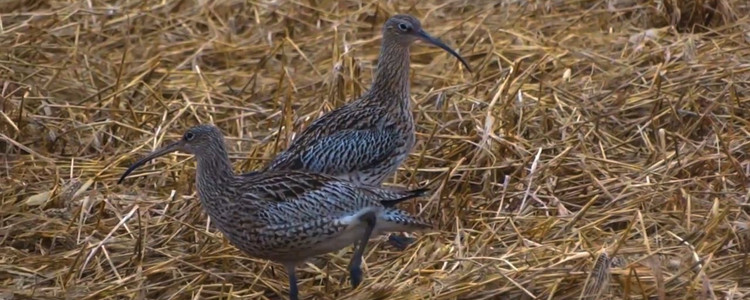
[(400, 241), (290, 270), (355, 264)]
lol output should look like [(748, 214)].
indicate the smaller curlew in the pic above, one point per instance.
[(366, 140), (288, 216)]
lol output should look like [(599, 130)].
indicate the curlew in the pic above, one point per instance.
[(288, 216)]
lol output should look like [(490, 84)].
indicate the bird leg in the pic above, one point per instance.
[(291, 272), (400, 241), (355, 264)]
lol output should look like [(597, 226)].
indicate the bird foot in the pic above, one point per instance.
[(355, 276), (401, 242)]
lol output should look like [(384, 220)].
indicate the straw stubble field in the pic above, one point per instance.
[(598, 150)]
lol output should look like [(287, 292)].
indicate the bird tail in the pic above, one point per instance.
[(391, 197), (396, 220)]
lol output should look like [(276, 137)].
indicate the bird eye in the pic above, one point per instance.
[(403, 27), (189, 136)]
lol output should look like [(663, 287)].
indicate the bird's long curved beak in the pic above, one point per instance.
[(158, 152), (430, 39)]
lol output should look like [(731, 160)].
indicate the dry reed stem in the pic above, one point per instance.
[(620, 124)]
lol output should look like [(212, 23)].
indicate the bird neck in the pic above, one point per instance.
[(392, 76), (214, 173)]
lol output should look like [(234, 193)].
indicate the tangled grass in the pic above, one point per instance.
[(599, 150)]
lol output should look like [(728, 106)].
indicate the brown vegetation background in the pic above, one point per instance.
[(598, 150)]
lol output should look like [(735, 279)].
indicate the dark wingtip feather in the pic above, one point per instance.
[(406, 195), (419, 192)]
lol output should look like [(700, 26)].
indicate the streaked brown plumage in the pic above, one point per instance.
[(288, 216), (366, 140)]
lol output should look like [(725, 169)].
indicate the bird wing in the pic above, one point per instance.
[(313, 207), (339, 153), (291, 197), (273, 186)]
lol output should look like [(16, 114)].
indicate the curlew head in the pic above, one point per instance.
[(406, 29), (198, 140)]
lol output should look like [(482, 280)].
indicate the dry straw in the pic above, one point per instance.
[(600, 148)]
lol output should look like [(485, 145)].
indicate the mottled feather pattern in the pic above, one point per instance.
[(366, 140), (349, 150), (274, 214), (301, 196), (297, 222), (347, 117), (278, 210)]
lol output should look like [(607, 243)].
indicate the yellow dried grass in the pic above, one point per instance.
[(594, 136)]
